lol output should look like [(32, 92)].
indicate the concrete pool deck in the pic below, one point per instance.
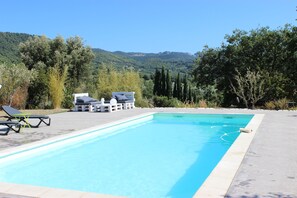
[(269, 169)]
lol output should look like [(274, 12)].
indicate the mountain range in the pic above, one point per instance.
[(145, 63)]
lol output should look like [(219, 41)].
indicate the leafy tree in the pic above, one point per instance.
[(148, 88), (35, 51), (264, 50), (42, 54), (250, 87), (12, 78), (80, 58)]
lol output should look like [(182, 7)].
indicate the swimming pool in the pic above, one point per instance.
[(160, 155)]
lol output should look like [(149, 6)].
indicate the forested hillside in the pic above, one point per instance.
[(146, 63), (9, 43)]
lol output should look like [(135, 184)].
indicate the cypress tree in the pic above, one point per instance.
[(179, 88), (190, 94), (163, 83), (175, 89), (168, 85), (194, 97), (185, 90), (157, 83)]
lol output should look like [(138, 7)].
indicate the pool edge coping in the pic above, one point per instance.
[(213, 186)]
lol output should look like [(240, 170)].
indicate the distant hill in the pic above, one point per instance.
[(143, 62), (147, 62), (9, 46)]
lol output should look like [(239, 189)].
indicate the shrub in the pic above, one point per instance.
[(202, 104), (143, 103), (278, 104), (163, 101), (19, 98), (12, 78), (270, 105), (281, 104)]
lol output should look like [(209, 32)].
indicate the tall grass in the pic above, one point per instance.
[(110, 80), (57, 78)]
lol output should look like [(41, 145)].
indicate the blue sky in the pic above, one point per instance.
[(144, 25)]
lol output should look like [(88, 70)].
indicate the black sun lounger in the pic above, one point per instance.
[(10, 125), (22, 117)]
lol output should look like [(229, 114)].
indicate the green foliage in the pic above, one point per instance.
[(12, 78), (9, 50), (38, 91), (79, 58), (110, 80), (178, 87), (42, 54), (146, 62), (157, 83), (168, 85), (249, 87), (277, 104), (270, 105), (147, 88), (272, 52), (163, 101), (57, 78), (185, 89)]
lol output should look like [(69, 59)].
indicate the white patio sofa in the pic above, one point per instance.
[(95, 105), (129, 102), (83, 106)]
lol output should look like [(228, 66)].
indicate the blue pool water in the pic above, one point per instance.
[(169, 155)]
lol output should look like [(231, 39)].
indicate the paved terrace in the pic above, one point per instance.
[(269, 168)]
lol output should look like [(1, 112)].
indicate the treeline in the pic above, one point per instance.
[(145, 63), (253, 68), (53, 69), (179, 88)]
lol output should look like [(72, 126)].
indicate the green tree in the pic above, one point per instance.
[(178, 87), (163, 82), (42, 54), (262, 49), (157, 83), (80, 57), (12, 78), (168, 85), (249, 87), (185, 89)]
